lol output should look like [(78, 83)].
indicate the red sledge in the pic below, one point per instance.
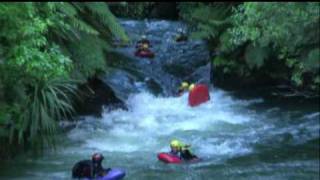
[(198, 95), (144, 54), (168, 158)]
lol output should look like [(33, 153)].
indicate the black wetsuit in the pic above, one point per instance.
[(187, 155), (143, 41), (182, 37), (86, 168), (184, 154), (181, 91)]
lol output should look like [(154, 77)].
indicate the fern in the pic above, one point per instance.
[(47, 104), (312, 62), (41, 42), (209, 21), (68, 9), (255, 56), (82, 26), (88, 55), (101, 10)]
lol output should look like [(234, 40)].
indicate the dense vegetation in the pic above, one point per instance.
[(257, 40), (46, 50), (136, 10)]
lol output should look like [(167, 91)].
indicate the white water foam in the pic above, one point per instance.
[(152, 121)]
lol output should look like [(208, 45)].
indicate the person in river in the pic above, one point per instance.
[(181, 150), (143, 43), (143, 48), (90, 168), (184, 87), (181, 36)]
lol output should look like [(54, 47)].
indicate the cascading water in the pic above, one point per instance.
[(236, 138), (233, 139)]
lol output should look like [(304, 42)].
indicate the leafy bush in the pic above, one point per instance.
[(291, 33), (138, 10), (43, 46), (261, 37)]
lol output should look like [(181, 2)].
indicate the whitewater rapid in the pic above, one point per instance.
[(236, 139)]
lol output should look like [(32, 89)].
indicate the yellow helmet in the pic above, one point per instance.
[(145, 46), (184, 85), (191, 86), (175, 143)]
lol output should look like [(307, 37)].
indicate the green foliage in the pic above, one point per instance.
[(312, 62), (43, 46), (255, 36), (223, 62), (255, 56), (36, 117), (87, 49), (291, 33), (207, 21), (136, 10), (284, 28), (108, 19), (88, 55)]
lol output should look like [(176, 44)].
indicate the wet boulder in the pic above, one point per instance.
[(121, 82), (201, 75), (184, 59)]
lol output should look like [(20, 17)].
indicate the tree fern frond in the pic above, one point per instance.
[(68, 9), (82, 26), (107, 18)]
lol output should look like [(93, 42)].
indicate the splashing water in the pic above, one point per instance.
[(234, 140)]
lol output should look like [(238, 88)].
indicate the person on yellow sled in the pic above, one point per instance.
[(181, 150), (184, 87)]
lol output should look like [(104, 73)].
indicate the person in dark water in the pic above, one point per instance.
[(143, 42), (90, 168), (182, 151), (143, 48), (181, 36)]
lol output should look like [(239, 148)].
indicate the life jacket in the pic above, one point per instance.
[(83, 169), (86, 168)]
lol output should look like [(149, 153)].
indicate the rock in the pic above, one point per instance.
[(173, 60), (186, 58), (201, 75), (121, 82), (159, 81), (67, 125), (165, 10), (95, 94)]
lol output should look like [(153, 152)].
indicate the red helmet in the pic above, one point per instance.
[(97, 157)]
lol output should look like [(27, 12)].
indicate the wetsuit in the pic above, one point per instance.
[(181, 37), (184, 154), (181, 91), (140, 44), (143, 41), (187, 155), (88, 169)]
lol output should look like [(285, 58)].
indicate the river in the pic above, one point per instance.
[(237, 137)]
